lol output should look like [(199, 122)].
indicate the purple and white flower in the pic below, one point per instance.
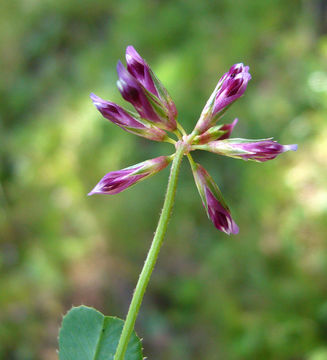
[(126, 120), (230, 87), (257, 150), (117, 181), (142, 72), (139, 86), (139, 68), (133, 92), (213, 202), (233, 86)]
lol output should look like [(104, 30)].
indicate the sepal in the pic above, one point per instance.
[(166, 99), (218, 132)]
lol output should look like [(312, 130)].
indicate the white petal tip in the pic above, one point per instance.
[(292, 147)]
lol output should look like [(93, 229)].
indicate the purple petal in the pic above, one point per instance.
[(117, 181), (143, 90), (220, 217), (260, 150), (232, 88), (229, 88), (213, 201), (115, 113), (132, 92), (124, 120), (138, 67), (263, 150), (229, 128)]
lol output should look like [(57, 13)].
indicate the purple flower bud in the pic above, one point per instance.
[(229, 88), (117, 181), (257, 150), (126, 121), (134, 93), (140, 69), (218, 132), (147, 105), (213, 202), (228, 128), (232, 88), (142, 72)]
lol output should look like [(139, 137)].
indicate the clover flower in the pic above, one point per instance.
[(156, 115)]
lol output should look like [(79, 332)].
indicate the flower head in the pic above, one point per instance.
[(156, 115)]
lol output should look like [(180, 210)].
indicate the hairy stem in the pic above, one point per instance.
[(192, 163), (181, 129), (152, 256)]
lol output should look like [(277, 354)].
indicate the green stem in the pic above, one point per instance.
[(181, 129), (170, 140), (178, 134), (192, 163), (152, 256)]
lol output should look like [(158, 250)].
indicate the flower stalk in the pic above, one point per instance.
[(152, 255)]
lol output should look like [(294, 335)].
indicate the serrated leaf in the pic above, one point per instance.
[(86, 334)]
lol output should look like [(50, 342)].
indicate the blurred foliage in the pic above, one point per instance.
[(258, 295)]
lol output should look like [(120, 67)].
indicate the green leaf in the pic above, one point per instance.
[(86, 334)]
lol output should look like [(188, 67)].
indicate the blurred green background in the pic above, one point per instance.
[(259, 295)]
